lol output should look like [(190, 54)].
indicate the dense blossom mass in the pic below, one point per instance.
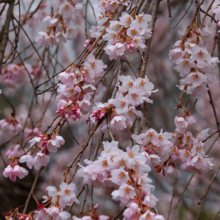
[(193, 61), (128, 171), (61, 23), (103, 89), (127, 35), (122, 108), (78, 87)]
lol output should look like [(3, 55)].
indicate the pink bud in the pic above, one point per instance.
[(73, 117), (37, 71), (96, 206), (95, 113), (86, 43), (102, 115), (158, 170)]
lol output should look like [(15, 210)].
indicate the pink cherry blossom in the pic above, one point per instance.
[(28, 159), (15, 171), (125, 193), (67, 193), (40, 160)]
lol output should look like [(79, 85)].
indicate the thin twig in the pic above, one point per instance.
[(206, 13), (171, 201), (91, 198), (62, 69), (152, 26), (119, 214), (213, 178), (72, 133), (33, 46), (84, 200), (131, 68), (210, 136), (190, 179), (211, 146), (209, 15), (93, 11), (109, 129), (184, 14), (198, 13), (215, 215), (213, 108), (32, 189), (169, 8), (6, 99), (146, 115)]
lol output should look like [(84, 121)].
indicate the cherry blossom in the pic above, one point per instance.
[(28, 159), (55, 143), (13, 171), (125, 193), (40, 160), (67, 194)]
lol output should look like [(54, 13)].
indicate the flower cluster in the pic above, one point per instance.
[(62, 22), (166, 150), (127, 35), (128, 172), (193, 60), (156, 146), (188, 149), (131, 93), (15, 75), (13, 171), (45, 144), (10, 124), (65, 197), (78, 87)]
